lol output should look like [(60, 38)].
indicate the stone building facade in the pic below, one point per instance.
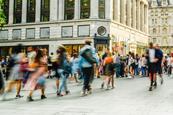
[(121, 25), (160, 24)]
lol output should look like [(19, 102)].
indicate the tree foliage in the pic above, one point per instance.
[(2, 16)]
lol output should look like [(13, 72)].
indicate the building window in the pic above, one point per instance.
[(84, 31), (45, 10), (101, 9), (164, 31), (154, 40), (84, 9), (30, 33), (16, 34), (44, 32), (154, 30), (67, 31), (6, 9), (69, 9), (4, 34), (17, 11), (31, 10)]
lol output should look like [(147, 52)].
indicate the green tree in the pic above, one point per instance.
[(2, 16)]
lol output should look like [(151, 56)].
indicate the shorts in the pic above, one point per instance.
[(152, 68)]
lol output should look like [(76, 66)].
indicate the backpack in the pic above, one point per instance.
[(87, 54)]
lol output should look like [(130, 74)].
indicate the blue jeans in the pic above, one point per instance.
[(63, 81), (143, 69)]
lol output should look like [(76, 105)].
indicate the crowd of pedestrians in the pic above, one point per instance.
[(29, 70)]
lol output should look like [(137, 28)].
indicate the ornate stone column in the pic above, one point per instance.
[(38, 10), (134, 14), (11, 9), (53, 10)]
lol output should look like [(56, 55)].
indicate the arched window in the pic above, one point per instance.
[(84, 9), (101, 9), (69, 9), (31, 10)]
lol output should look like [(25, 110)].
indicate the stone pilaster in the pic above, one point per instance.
[(94, 9), (138, 14), (24, 11), (53, 10), (11, 9), (61, 10), (77, 10), (38, 10), (129, 17), (134, 14), (117, 10)]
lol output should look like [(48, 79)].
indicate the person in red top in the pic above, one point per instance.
[(109, 71)]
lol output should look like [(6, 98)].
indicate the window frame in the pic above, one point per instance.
[(41, 34), (31, 13), (44, 13), (27, 33), (84, 10), (104, 9), (17, 12), (69, 10)]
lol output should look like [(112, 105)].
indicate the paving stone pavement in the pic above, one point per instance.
[(130, 97)]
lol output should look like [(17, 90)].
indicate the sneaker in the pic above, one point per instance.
[(83, 93), (129, 77), (150, 89), (29, 99), (89, 91), (155, 84), (18, 96), (43, 97), (67, 92)]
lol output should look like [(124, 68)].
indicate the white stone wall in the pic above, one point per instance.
[(160, 18)]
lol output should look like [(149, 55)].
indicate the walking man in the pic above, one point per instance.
[(87, 61), (159, 55)]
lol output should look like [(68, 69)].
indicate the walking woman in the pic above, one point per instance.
[(75, 67), (131, 65), (16, 75), (64, 69), (37, 78), (109, 71)]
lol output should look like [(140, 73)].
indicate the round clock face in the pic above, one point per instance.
[(101, 30)]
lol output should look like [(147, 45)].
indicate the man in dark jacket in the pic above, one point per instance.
[(159, 56)]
